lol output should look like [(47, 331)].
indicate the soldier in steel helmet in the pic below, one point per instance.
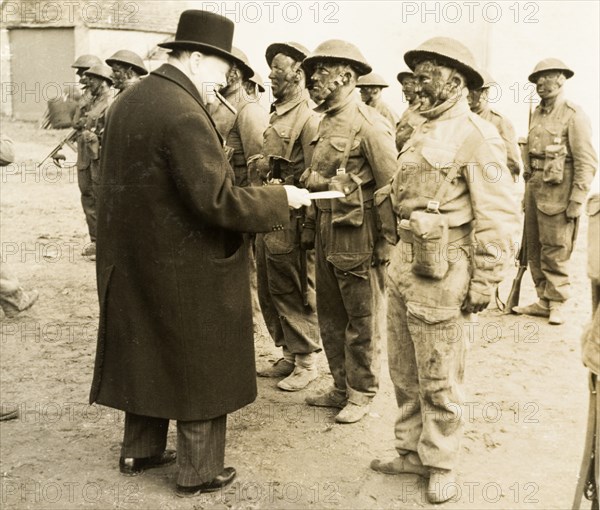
[(354, 153), (479, 103), (371, 87), (242, 131), (127, 69), (84, 177), (560, 167), (100, 82), (286, 266), (410, 118), (456, 222)]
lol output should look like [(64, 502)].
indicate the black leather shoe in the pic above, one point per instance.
[(218, 482), (131, 466)]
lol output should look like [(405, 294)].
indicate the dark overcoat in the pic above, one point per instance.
[(175, 336)]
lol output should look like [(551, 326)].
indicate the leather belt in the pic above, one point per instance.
[(455, 234)]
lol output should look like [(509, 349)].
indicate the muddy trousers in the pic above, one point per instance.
[(200, 445), (550, 240), (290, 323), (350, 305), (88, 198), (426, 352)]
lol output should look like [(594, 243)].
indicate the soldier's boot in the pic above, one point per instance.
[(281, 368), (540, 308), (442, 485), (331, 398), (352, 413), (304, 373), (408, 462), (18, 302), (556, 317)]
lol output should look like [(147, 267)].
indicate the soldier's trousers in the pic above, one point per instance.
[(290, 323), (550, 240), (426, 353), (88, 198), (350, 305)]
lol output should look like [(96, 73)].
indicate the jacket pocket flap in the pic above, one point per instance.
[(440, 157), (431, 314), (352, 262), (339, 143)]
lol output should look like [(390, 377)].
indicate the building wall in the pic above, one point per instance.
[(39, 69)]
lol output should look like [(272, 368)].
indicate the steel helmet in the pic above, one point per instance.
[(550, 64), (336, 50), (449, 52), (128, 58)]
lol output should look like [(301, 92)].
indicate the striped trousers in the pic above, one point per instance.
[(200, 445)]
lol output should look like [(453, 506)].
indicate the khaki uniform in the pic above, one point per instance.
[(507, 132), (384, 109), (278, 254), (550, 236), (426, 327), (410, 120), (242, 132), (349, 289), (84, 171)]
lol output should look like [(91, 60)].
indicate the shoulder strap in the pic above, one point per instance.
[(300, 119), (355, 129), (442, 190)]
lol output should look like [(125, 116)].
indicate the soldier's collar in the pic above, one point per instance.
[(448, 109), (349, 99), (290, 104)]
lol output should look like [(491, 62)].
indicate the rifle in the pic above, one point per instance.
[(515, 291), (69, 141), (303, 268)]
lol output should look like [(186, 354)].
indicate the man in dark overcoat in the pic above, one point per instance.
[(175, 336)]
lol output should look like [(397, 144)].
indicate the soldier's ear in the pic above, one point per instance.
[(561, 79)]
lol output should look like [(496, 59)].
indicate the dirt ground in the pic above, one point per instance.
[(525, 402)]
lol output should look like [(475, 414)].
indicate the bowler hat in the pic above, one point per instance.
[(100, 71), (206, 32), (448, 52), (291, 49)]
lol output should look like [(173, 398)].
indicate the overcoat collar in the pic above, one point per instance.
[(171, 73)]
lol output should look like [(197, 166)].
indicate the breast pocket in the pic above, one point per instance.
[(439, 162)]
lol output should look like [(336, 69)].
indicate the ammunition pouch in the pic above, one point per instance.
[(348, 211), (554, 164), (430, 233)]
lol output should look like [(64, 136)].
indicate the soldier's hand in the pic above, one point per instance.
[(307, 238), (297, 197), (58, 159), (475, 302), (573, 210), (382, 253), (88, 137)]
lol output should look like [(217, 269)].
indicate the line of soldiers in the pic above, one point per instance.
[(427, 222), (121, 71)]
